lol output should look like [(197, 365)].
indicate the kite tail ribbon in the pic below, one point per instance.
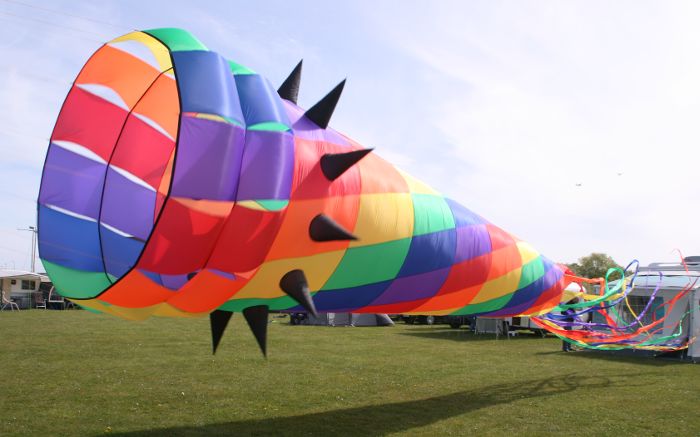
[(607, 320)]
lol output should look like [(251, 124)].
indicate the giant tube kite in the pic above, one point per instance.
[(178, 183)]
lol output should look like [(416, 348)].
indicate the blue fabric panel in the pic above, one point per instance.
[(462, 216), (72, 182), (120, 252), (533, 291), (155, 277), (430, 252), (69, 241), (206, 84), (259, 100), (347, 298)]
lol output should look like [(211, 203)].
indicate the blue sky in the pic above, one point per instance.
[(573, 125)]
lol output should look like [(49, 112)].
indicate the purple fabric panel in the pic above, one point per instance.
[(268, 166), (127, 206), (472, 241), (208, 159), (307, 129), (173, 282), (413, 287), (72, 182)]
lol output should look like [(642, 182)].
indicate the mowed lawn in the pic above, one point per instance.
[(77, 373)]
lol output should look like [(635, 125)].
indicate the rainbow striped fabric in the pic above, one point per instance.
[(178, 183)]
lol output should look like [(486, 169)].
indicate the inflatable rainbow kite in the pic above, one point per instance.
[(180, 184)]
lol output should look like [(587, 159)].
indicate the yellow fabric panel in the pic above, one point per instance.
[(215, 208), (265, 284), (251, 204), (498, 287), (383, 217), (161, 309), (416, 186), (159, 50), (124, 313), (166, 310), (527, 252)]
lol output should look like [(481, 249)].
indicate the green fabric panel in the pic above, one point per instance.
[(275, 304), (270, 126), (177, 40), (239, 69), (76, 283), (232, 121), (369, 264), (485, 307), (273, 204), (431, 214), (531, 272)]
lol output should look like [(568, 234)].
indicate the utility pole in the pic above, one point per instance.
[(34, 232)]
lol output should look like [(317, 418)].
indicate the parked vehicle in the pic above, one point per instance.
[(425, 320)]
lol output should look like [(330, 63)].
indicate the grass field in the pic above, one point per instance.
[(76, 373)]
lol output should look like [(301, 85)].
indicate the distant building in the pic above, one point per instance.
[(19, 285)]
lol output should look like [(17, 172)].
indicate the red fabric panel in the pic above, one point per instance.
[(466, 274), (550, 298), (90, 121), (143, 151), (245, 240), (182, 241), (394, 308), (309, 181)]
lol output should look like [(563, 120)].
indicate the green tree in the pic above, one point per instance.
[(595, 265)]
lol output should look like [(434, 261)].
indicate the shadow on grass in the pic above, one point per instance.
[(629, 356), (378, 420)]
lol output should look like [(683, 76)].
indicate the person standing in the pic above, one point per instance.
[(569, 317)]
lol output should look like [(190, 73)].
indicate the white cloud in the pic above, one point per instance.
[(541, 96)]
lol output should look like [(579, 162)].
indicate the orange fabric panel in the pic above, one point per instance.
[(127, 75), (379, 176), (161, 104), (499, 237), (135, 290), (205, 292), (293, 240), (451, 301), (504, 258)]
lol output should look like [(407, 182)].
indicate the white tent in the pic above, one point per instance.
[(348, 319)]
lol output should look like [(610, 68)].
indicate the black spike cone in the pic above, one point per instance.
[(295, 285), (335, 164), (324, 228), (289, 89), (218, 321), (256, 317), (322, 111)]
